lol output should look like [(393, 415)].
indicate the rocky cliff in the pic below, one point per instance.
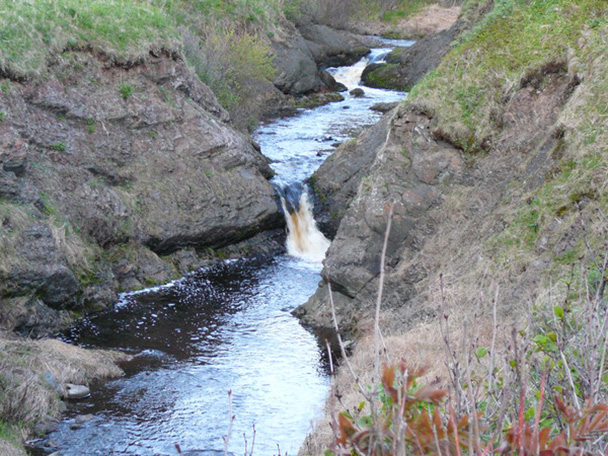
[(496, 170), (103, 169)]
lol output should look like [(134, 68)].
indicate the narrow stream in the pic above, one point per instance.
[(228, 327)]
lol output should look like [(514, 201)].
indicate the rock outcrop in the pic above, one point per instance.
[(102, 170), (404, 67), (449, 212), (300, 53), (398, 164)]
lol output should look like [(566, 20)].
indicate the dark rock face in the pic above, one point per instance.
[(395, 162), (297, 71), (330, 47), (300, 52), (95, 184), (336, 181), (404, 67)]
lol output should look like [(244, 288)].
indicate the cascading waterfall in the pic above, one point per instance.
[(304, 240), (351, 76)]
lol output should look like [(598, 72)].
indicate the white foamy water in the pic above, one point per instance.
[(304, 240)]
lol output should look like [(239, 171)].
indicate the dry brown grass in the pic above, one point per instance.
[(14, 220), (432, 19), (7, 449), (415, 347), (34, 373)]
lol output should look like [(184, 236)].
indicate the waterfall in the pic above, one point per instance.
[(304, 240), (351, 76)]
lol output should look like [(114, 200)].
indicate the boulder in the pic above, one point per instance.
[(331, 83), (297, 72), (405, 66), (331, 47), (384, 107), (73, 391)]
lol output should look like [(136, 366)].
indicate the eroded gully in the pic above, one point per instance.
[(225, 328)]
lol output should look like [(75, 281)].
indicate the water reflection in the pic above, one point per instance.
[(226, 328)]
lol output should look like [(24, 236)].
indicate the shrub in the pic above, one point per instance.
[(228, 61), (125, 90), (412, 418)]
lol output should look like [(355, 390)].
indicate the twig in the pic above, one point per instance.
[(252, 440), (329, 356), (377, 334), (494, 331), (540, 408), (341, 343), (570, 380), (230, 422)]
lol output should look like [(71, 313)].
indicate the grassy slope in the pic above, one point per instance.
[(224, 42), (561, 225), (489, 64), (468, 93)]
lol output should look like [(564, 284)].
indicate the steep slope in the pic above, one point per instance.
[(101, 162), (497, 169)]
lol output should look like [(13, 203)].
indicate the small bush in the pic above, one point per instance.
[(412, 418), (125, 90), (59, 146), (228, 61)]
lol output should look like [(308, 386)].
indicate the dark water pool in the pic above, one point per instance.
[(227, 328)]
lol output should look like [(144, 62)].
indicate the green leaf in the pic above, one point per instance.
[(481, 352), (558, 311)]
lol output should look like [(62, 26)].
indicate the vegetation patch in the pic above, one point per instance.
[(514, 40), (31, 32)]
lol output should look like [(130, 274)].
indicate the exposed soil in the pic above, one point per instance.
[(432, 19)]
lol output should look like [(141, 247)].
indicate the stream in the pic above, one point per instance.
[(227, 327)]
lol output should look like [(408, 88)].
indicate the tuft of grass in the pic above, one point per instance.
[(58, 146), (125, 90), (33, 370)]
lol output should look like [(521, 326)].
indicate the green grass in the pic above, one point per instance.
[(517, 38), (11, 434), (31, 31), (406, 10)]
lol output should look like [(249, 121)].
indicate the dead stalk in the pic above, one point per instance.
[(377, 333), (341, 343), (230, 423)]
